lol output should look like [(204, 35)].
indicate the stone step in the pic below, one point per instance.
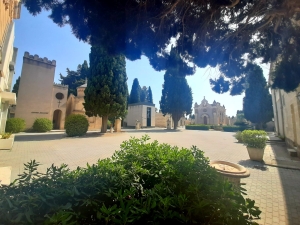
[(292, 152)]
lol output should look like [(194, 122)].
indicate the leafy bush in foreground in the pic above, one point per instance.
[(143, 183), (14, 125), (42, 125), (76, 125)]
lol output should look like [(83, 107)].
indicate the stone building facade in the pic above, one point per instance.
[(286, 107), (75, 106), (38, 97), (213, 114), (162, 121), (9, 10)]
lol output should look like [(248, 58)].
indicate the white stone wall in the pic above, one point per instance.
[(139, 112), (7, 71), (286, 108)]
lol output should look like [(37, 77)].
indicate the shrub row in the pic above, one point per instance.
[(142, 183), (197, 127), (75, 125)]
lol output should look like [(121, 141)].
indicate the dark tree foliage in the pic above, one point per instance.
[(106, 92), (150, 96), (144, 94), (16, 86), (257, 103), (134, 96), (74, 79), (176, 98), (206, 32)]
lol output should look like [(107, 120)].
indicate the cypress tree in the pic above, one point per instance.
[(144, 94), (257, 103), (150, 98), (135, 92), (176, 96), (74, 79), (106, 92), (16, 86)]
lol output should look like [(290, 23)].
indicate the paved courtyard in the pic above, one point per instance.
[(275, 190)]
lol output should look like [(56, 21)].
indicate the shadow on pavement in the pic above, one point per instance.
[(152, 131), (40, 137), (253, 164)]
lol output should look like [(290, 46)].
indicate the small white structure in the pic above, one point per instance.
[(144, 112)]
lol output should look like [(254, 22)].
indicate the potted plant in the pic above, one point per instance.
[(238, 137), (7, 141), (255, 141)]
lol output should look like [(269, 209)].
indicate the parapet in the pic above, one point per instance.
[(37, 58), (61, 85)]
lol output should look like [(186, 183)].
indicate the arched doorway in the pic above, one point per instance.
[(205, 119), (56, 119)]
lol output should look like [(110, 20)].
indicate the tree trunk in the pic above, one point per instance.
[(175, 119), (104, 124)]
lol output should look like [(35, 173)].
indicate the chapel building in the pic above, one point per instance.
[(213, 114)]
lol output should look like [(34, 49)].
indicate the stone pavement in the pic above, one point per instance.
[(275, 190)]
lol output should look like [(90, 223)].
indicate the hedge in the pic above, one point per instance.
[(236, 128), (197, 127), (42, 125), (231, 128), (76, 125), (14, 125), (142, 183)]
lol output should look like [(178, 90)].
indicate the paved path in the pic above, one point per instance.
[(276, 190)]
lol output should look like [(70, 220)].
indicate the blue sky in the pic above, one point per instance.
[(39, 35)]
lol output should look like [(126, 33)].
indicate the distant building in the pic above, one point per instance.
[(143, 112), (162, 121), (9, 10), (213, 114)]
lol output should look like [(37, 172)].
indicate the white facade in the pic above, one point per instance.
[(7, 68), (141, 112), (286, 107)]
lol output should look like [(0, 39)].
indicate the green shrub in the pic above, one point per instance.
[(143, 183), (15, 125), (254, 138), (42, 125), (5, 135), (239, 136), (197, 127), (76, 125)]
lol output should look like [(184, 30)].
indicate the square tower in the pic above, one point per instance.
[(35, 89)]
